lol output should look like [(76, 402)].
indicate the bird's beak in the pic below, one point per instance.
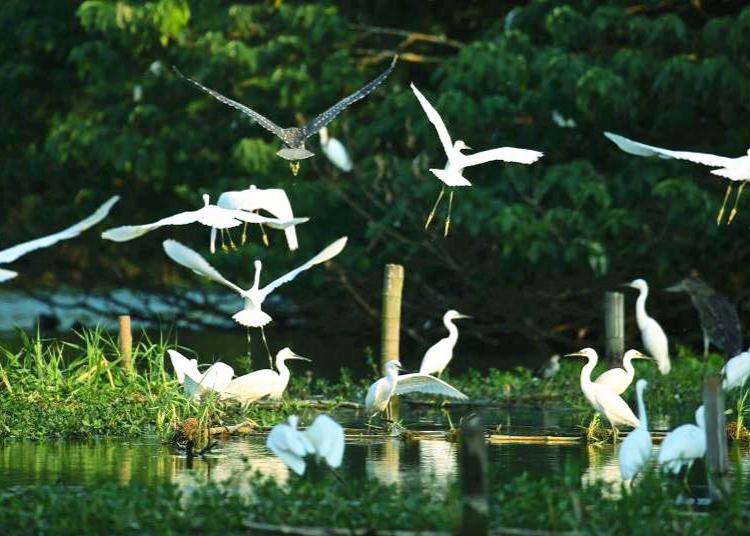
[(295, 356), (463, 316), (639, 355), (575, 354), (628, 285)]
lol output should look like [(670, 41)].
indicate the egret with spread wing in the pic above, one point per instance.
[(321, 442), (261, 383), (294, 138), (452, 174), (216, 378), (11, 254)]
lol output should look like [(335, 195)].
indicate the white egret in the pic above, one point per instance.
[(619, 379), (209, 215), (437, 357), (736, 371), (11, 254), (321, 442), (653, 337), (635, 451), (601, 397), (216, 378), (261, 383), (683, 445), (272, 200), (294, 137), (335, 151), (452, 174), (734, 169), (549, 368), (252, 315), (380, 392)]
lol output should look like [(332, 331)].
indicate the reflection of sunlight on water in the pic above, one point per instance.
[(603, 467), (383, 461), (438, 460)]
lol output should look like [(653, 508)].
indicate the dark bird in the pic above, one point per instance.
[(294, 137), (549, 368), (718, 316)]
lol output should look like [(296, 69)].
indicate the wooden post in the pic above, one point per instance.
[(393, 284), (126, 342), (474, 478), (717, 457), (614, 326)]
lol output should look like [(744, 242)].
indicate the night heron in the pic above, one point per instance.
[(261, 383), (294, 138), (335, 151), (437, 357), (271, 200), (323, 441), (734, 169), (635, 451), (653, 337), (11, 254), (197, 385), (209, 215), (619, 379), (452, 174), (718, 316), (683, 445)]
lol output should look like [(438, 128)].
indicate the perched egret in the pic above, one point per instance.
[(452, 174), (635, 451), (736, 371), (272, 200), (437, 357), (549, 368), (294, 137), (683, 445), (619, 379), (718, 316), (252, 315), (603, 399), (260, 383), (734, 169), (209, 215), (321, 442), (380, 392), (216, 378), (653, 337), (335, 151), (11, 254)]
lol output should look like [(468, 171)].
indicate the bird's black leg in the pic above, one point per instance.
[(720, 215), (434, 208), (265, 342), (448, 219), (736, 200)]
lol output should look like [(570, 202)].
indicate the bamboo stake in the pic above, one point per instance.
[(614, 326), (717, 458), (126, 342), (393, 284)]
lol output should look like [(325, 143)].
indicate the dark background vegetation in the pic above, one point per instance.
[(91, 108)]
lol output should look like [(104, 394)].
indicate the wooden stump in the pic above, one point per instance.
[(614, 326), (393, 284), (126, 343), (717, 457), (474, 478)]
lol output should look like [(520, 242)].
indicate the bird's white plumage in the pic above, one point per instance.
[(5, 275), (261, 383), (324, 441), (437, 357), (683, 445), (619, 379), (654, 339), (193, 260), (183, 366), (635, 451), (196, 385), (736, 371), (641, 149), (327, 439), (739, 172), (335, 151)]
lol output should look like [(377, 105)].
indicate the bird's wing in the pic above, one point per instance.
[(435, 119), (506, 154), (129, 232), (338, 155), (11, 254), (330, 114), (262, 120), (6, 275), (641, 149), (328, 253), (736, 173), (275, 223), (283, 441), (183, 366), (615, 404), (252, 386), (719, 319), (190, 259), (424, 383), (327, 437), (217, 377)]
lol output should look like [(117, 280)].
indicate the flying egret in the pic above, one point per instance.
[(321, 442), (252, 315), (718, 316), (272, 200), (260, 383), (734, 169), (736, 371), (653, 337), (603, 399), (335, 151), (216, 378), (683, 445), (294, 137), (619, 379), (209, 215), (452, 174), (635, 451), (437, 357), (11, 254), (549, 368), (380, 392)]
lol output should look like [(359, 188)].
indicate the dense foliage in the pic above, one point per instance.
[(92, 108)]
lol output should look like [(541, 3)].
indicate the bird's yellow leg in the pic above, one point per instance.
[(265, 236), (434, 208), (448, 219), (231, 242), (720, 215), (295, 167), (265, 343), (736, 200), (243, 238), (224, 247)]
